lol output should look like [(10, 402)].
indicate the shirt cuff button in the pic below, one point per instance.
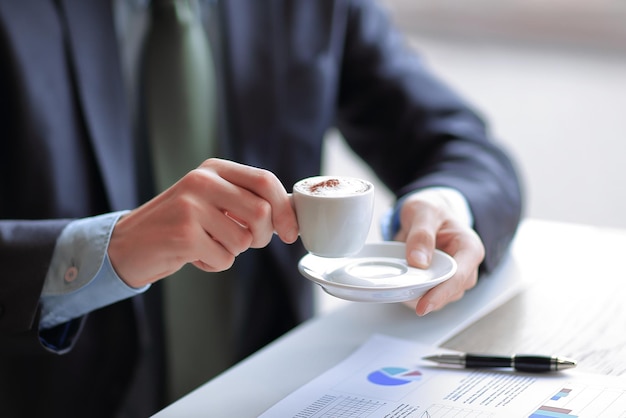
[(71, 274)]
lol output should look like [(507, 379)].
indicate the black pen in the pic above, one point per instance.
[(522, 363)]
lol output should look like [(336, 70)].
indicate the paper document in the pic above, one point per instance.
[(386, 378)]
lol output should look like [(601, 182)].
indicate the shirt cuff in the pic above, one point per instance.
[(452, 198), (81, 278)]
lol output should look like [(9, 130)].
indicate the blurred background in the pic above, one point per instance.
[(550, 77)]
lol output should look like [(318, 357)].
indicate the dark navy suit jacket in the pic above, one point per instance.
[(291, 69)]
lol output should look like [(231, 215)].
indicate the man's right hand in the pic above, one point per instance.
[(207, 218)]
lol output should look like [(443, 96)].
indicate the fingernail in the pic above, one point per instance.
[(428, 309), (419, 258), (292, 236)]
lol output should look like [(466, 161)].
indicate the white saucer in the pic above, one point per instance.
[(378, 273)]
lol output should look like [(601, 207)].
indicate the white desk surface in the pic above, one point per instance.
[(560, 292)]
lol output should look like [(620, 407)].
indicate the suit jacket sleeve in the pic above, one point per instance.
[(65, 145), (416, 132), (26, 248)]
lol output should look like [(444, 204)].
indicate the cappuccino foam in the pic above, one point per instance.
[(332, 186)]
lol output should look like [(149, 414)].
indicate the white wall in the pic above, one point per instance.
[(562, 114)]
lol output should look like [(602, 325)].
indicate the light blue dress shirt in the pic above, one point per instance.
[(81, 278)]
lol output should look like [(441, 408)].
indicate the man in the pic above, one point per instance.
[(288, 71)]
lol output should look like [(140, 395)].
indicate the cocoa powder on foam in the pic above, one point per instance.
[(323, 184), (334, 187)]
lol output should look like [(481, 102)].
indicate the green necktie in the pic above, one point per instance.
[(180, 110), (179, 90)]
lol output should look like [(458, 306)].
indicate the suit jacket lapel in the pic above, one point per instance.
[(95, 58)]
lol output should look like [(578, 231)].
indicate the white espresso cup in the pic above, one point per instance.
[(334, 214)]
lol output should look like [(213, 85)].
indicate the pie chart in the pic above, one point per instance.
[(394, 376)]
